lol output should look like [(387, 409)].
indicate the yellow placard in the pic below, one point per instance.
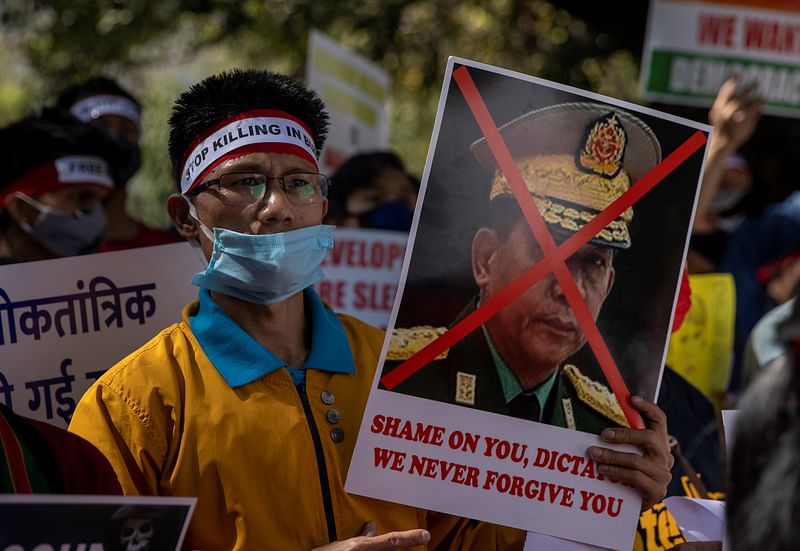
[(702, 349)]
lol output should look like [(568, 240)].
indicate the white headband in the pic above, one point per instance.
[(94, 107), (59, 173), (83, 169), (272, 131)]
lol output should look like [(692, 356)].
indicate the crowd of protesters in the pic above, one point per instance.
[(63, 193)]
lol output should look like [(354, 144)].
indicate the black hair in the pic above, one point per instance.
[(54, 133), (37, 139), (93, 87), (764, 487), (358, 172), (231, 92)]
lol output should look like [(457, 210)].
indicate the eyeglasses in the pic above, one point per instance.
[(245, 188)]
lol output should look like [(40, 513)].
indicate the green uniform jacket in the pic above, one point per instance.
[(468, 377)]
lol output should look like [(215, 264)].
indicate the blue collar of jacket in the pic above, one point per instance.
[(240, 359)]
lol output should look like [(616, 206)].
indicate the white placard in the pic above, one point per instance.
[(729, 417), (63, 322), (692, 47), (699, 519), (355, 91), (362, 272), (430, 437)]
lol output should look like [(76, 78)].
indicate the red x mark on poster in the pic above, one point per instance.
[(554, 259)]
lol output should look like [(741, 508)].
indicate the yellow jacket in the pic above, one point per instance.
[(171, 425)]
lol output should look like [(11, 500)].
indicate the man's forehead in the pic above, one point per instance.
[(261, 161)]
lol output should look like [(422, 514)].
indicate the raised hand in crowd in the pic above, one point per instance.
[(734, 115)]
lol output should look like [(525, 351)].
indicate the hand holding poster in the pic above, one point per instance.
[(540, 207)]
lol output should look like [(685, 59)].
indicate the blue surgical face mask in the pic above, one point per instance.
[(395, 216), (263, 269), (66, 233)]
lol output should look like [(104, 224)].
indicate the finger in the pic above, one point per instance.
[(649, 440), (754, 109), (398, 540), (728, 87), (751, 93), (370, 529), (652, 490), (654, 469), (657, 418)]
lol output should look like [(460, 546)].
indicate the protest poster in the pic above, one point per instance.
[(496, 294), (93, 523), (361, 273), (701, 350), (691, 48), (64, 322), (355, 91)]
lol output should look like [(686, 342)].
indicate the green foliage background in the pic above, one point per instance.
[(158, 48)]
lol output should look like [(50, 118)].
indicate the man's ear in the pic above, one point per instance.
[(178, 210), (20, 211), (484, 246)]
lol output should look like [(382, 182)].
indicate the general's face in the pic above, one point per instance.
[(538, 330), (272, 214)]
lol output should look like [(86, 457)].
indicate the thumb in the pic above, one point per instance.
[(370, 529)]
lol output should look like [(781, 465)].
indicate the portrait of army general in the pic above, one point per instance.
[(576, 154)]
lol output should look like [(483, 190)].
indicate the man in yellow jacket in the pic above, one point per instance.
[(253, 402)]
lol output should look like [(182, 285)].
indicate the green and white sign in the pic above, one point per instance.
[(693, 47)]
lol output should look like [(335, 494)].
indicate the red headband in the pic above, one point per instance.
[(261, 130), (60, 173)]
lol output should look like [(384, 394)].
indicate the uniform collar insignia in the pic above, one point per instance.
[(465, 388)]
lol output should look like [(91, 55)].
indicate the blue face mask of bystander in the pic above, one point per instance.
[(395, 216), (264, 268)]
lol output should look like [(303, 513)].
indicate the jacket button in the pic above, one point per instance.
[(333, 416), (337, 435), (327, 398)]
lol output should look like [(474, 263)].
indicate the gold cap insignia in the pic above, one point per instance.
[(604, 147), (576, 159)]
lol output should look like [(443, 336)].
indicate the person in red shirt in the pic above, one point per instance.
[(43, 459)]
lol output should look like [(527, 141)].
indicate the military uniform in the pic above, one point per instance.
[(576, 159), (466, 375)]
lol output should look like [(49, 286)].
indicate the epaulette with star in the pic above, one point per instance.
[(596, 395), (407, 341)]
